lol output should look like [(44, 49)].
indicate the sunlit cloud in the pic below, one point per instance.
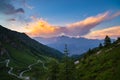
[(40, 27), (83, 27), (113, 32)]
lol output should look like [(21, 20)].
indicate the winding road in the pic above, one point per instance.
[(20, 76), (29, 68), (43, 65)]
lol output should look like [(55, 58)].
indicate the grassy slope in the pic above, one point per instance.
[(102, 66), (19, 60), (22, 51)]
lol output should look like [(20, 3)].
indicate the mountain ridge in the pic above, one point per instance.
[(12, 36), (81, 44)]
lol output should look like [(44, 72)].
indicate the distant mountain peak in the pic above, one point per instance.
[(75, 45)]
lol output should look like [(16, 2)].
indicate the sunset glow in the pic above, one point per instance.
[(38, 20)]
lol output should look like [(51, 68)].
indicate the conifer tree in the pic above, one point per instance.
[(89, 52), (67, 71), (53, 70), (100, 45), (107, 41), (66, 51)]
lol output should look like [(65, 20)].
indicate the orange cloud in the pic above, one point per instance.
[(40, 27), (113, 32), (90, 20), (83, 27)]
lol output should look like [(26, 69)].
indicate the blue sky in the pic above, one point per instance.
[(58, 13)]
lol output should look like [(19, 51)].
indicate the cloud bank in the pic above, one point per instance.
[(113, 32), (84, 27), (40, 27), (8, 9)]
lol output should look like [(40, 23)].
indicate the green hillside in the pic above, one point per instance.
[(101, 63), (21, 40), (22, 58), (20, 52)]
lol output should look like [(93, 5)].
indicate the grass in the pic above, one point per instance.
[(21, 59), (103, 66)]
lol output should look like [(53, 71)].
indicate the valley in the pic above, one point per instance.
[(59, 39), (22, 58)]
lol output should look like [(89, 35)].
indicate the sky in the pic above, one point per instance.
[(93, 19)]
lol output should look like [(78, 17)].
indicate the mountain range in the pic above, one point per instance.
[(76, 46)]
